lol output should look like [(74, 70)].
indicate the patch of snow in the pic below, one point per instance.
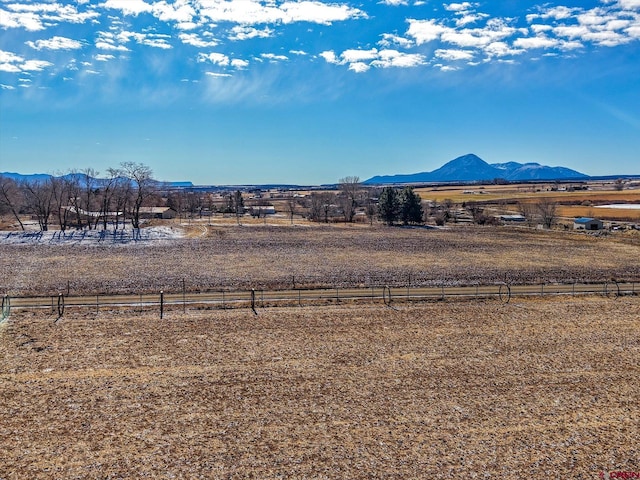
[(622, 206), (151, 235)]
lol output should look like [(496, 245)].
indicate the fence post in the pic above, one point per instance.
[(386, 295), (253, 301), (97, 303), (6, 307), (60, 305), (184, 303), (161, 304)]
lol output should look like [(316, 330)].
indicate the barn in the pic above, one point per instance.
[(586, 223), (157, 212)]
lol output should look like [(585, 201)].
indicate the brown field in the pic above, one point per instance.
[(538, 388), (259, 256), (597, 194), (533, 389)]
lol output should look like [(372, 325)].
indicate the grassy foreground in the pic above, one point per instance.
[(538, 388)]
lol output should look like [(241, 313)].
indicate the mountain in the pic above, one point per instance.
[(80, 177), (471, 168)]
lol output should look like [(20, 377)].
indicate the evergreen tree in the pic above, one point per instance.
[(389, 205), (411, 206)]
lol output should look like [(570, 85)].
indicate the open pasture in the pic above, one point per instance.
[(534, 389)]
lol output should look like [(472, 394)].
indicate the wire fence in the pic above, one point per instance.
[(254, 299)]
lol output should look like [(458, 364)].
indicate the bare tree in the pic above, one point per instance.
[(9, 197), (61, 201), (238, 204), (106, 196), (39, 199), (349, 192), (371, 207), (291, 207), (528, 211), (90, 182), (143, 184), (547, 209), (74, 191)]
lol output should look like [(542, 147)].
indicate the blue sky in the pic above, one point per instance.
[(307, 92)]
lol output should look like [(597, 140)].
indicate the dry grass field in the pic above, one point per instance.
[(258, 256), (533, 389), (538, 388)]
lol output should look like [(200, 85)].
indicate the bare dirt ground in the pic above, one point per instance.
[(258, 256), (546, 388)]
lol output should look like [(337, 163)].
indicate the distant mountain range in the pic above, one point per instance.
[(471, 168), (81, 177)]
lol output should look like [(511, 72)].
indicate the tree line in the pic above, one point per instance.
[(80, 199)]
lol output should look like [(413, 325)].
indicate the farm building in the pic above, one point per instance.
[(586, 223), (157, 212), (513, 218)]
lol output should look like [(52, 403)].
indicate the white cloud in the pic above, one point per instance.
[(425, 31), (149, 39), (352, 55), (103, 58), (330, 56), (251, 12), (218, 75), (459, 7), (180, 11), (318, 12), (104, 45), (394, 58), (6, 87), (215, 58), (243, 32), (38, 16), (239, 64), (629, 4), (468, 18), (389, 40), (12, 63), (535, 42), (360, 61), (55, 43), (9, 67), (500, 49), (9, 57), (394, 3), (35, 65), (195, 40), (129, 7), (28, 21), (451, 54), (359, 67), (273, 57)]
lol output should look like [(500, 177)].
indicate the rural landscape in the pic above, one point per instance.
[(366, 382), (319, 239)]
